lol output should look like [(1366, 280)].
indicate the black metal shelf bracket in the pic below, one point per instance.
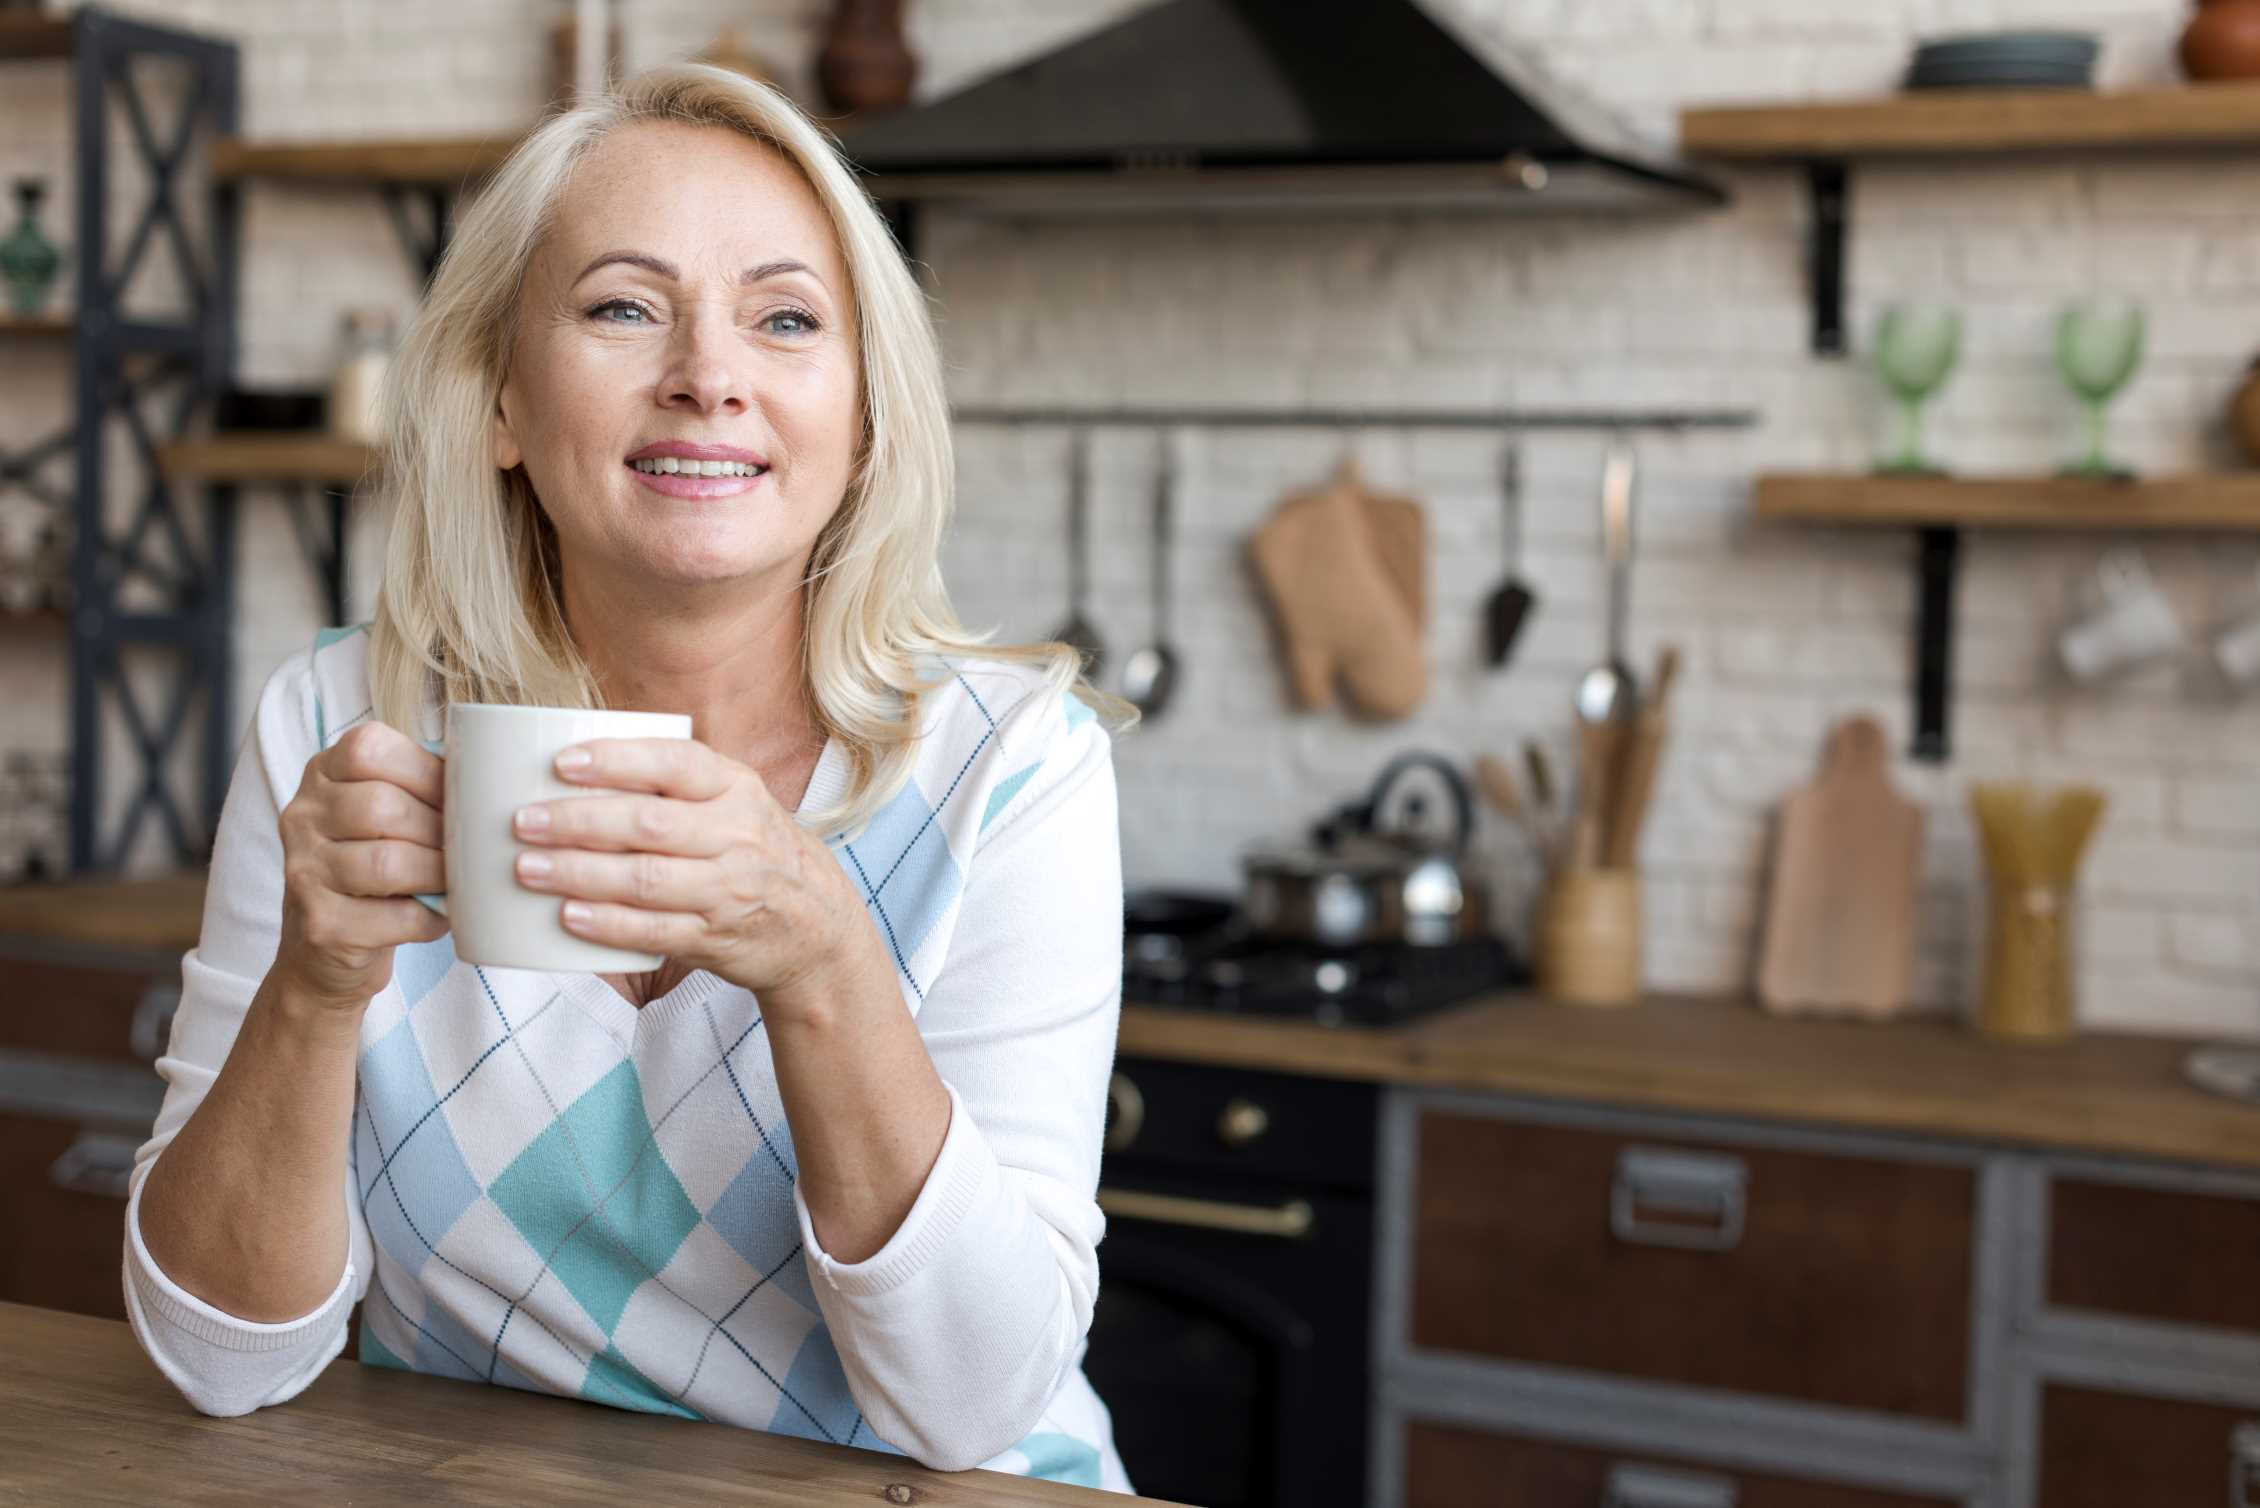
[(424, 243), (1829, 191), (1937, 564), (318, 515)]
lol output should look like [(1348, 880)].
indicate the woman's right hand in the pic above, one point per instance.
[(361, 839)]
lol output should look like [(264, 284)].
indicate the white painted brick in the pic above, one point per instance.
[(2222, 948), (2214, 809)]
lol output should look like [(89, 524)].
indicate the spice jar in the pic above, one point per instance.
[(356, 392)]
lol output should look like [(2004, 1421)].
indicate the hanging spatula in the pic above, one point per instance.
[(1509, 605)]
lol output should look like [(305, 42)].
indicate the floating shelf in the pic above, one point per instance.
[(285, 457), (437, 163), (1940, 508), (38, 325), (2218, 501), (35, 37), (1959, 122), (1825, 136)]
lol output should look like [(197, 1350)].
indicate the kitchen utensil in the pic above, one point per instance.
[(865, 63), (2033, 844), (1541, 771), (1497, 783), (1609, 692), (1150, 675), (1333, 567), (1642, 756), (2098, 346), (1510, 602), (1916, 346), (1599, 754), (1365, 878), (1589, 937), (2223, 41), (2131, 623), (1840, 922), (1078, 631)]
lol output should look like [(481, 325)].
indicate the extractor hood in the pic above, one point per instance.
[(1270, 104)]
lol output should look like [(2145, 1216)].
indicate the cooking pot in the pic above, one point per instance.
[(1372, 876)]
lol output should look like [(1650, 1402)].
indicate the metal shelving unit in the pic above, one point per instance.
[(131, 603)]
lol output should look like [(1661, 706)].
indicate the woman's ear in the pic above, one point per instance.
[(508, 453)]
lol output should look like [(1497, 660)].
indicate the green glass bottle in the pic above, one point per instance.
[(28, 260)]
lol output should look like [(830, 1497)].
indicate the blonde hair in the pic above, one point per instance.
[(875, 611)]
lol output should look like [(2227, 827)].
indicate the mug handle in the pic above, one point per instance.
[(436, 902), (439, 747)]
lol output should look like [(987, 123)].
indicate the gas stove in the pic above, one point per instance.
[(1225, 967)]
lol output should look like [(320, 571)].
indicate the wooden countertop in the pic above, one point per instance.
[(2117, 1095), (86, 1419)]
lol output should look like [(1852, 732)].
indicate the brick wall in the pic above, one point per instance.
[(1784, 631)]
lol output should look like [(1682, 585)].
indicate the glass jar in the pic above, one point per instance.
[(357, 390)]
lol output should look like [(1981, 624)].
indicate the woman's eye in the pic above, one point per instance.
[(602, 311), (805, 320)]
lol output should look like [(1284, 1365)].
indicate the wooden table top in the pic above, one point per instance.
[(86, 1419), (2115, 1095)]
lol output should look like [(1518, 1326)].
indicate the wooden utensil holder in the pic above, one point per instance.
[(2028, 966), (1589, 929)]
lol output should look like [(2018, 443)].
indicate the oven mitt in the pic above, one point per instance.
[(1343, 574)]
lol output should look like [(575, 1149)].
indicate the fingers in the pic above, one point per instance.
[(380, 809), (622, 824), (649, 881), (681, 767), (378, 751), (669, 934), (386, 867)]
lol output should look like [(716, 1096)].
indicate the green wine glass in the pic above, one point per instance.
[(2098, 347), (1916, 346)]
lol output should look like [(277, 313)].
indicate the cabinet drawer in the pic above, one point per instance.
[(2101, 1449), (2154, 1254), (1451, 1467), (61, 1237), (115, 1014), (1811, 1276)]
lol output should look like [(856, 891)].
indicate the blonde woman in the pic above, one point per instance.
[(669, 433)]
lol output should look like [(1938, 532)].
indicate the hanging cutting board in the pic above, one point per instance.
[(1840, 921)]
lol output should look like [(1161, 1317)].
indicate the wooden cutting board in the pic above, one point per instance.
[(1840, 921)]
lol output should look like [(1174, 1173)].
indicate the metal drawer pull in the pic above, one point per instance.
[(1290, 1221), (2244, 1466), (96, 1163), (1652, 1487), (152, 1026), (1129, 1107), (1702, 1187)]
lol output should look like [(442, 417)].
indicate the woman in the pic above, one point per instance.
[(829, 1171)]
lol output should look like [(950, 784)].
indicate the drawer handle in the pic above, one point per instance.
[(96, 1163), (152, 1024), (1652, 1487), (1705, 1190), (1290, 1221), (2244, 1466), (1129, 1108)]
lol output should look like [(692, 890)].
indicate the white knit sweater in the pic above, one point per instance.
[(553, 1190)]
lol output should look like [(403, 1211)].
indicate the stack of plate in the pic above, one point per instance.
[(2006, 60)]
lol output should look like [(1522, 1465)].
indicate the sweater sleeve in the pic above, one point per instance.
[(956, 1334), (220, 1363)]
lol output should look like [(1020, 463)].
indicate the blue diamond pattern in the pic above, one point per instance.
[(903, 863), (413, 1159), (612, 1380), (756, 1216), (594, 1197)]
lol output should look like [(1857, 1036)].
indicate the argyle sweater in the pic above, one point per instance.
[(553, 1190)]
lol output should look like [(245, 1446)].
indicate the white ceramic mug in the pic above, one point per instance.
[(2237, 652), (2133, 625), (499, 759)]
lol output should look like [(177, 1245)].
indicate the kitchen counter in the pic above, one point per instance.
[(86, 1419), (2109, 1094)]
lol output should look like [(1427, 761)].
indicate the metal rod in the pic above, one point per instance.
[(1328, 418)]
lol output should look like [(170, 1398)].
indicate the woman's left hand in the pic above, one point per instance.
[(689, 856)]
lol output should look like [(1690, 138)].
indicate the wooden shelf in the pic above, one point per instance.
[(35, 37), (40, 325), (288, 456), (33, 620), (438, 163), (2226, 501), (1961, 122)]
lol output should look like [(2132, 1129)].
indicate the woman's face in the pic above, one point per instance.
[(689, 306)]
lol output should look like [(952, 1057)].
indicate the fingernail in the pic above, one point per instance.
[(535, 866), (574, 759), (533, 819), (578, 914)]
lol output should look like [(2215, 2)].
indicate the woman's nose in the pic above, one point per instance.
[(707, 371)]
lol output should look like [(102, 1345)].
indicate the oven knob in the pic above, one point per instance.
[(1128, 1109), (1242, 1122)]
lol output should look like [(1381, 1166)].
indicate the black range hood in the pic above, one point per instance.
[(1269, 104)]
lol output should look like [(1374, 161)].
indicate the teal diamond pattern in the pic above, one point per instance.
[(612, 1380), (595, 1197)]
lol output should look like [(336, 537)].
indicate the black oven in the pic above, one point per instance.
[(1230, 1338)]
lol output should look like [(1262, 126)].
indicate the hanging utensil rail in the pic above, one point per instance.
[(1376, 418)]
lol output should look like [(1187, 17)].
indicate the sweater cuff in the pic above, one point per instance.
[(185, 1311), (962, 1174)]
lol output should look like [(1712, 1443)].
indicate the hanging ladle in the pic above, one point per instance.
[(1078, 632), (1151, 674)]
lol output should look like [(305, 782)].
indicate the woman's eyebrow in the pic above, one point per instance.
[(673, 274)]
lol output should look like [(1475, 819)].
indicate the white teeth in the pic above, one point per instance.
[(674, 465)]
